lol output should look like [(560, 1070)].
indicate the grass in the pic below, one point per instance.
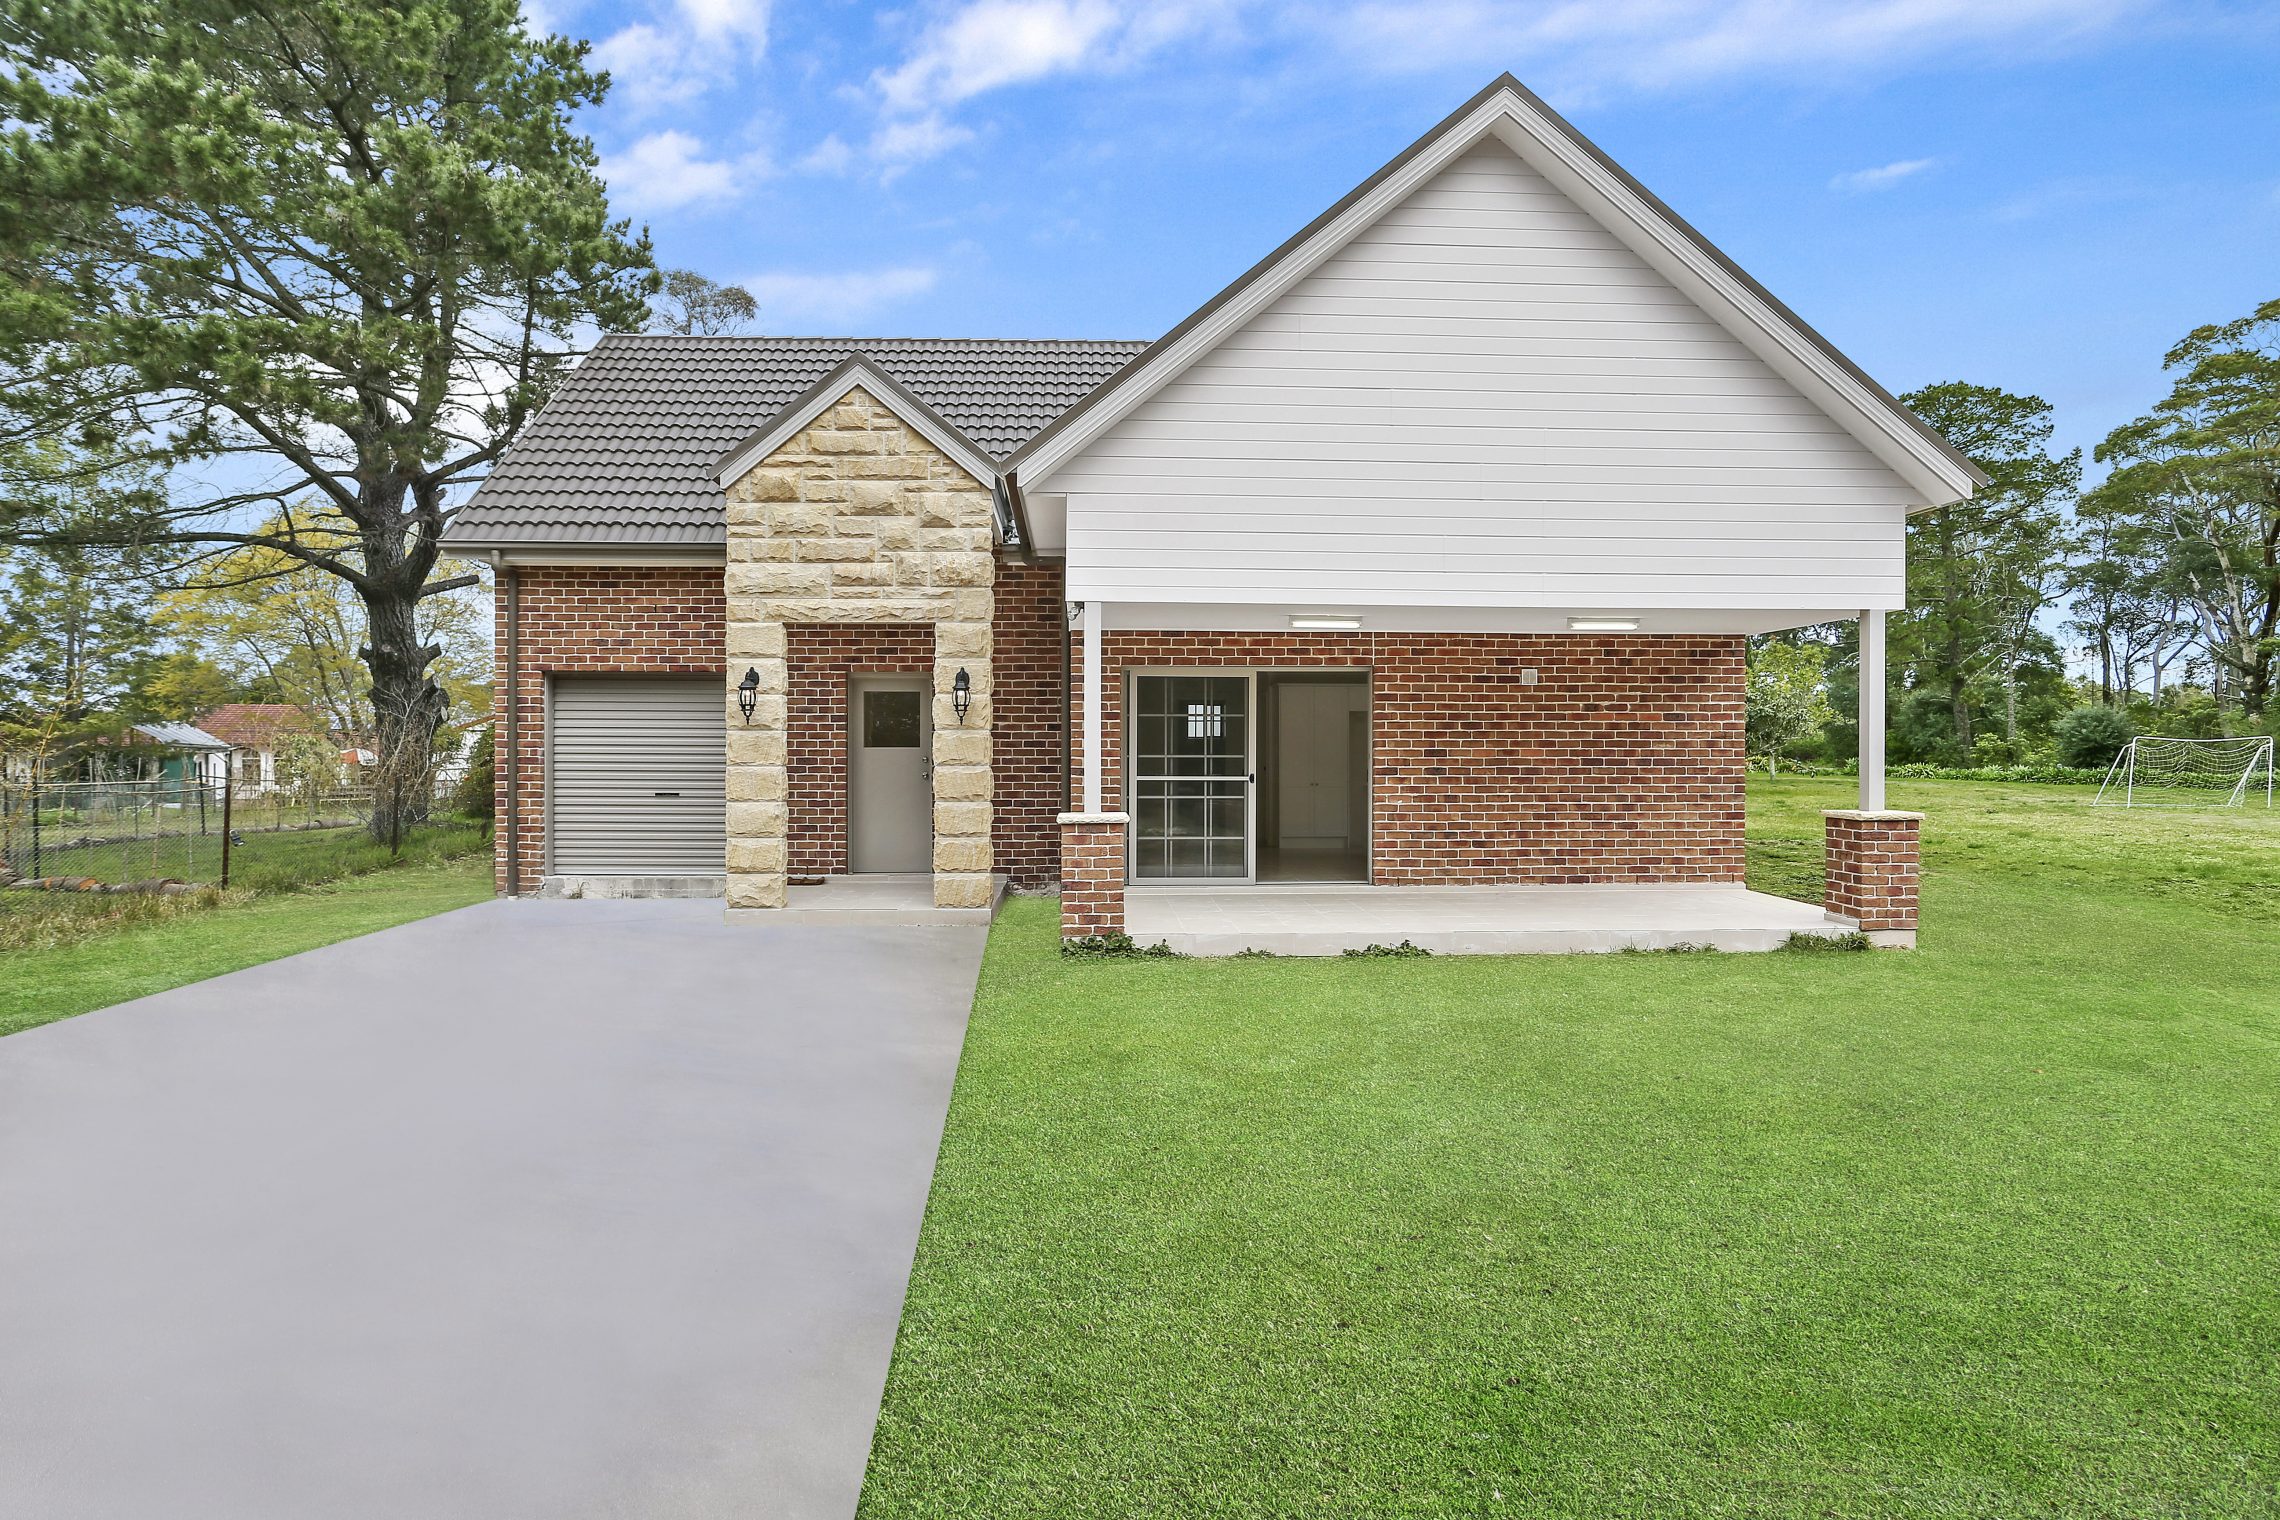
[(263, 864), (1990, 1228), (171, 950)]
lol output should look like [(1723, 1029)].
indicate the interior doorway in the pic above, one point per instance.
[(1314, 776)]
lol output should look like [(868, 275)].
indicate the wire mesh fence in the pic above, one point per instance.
[(91, 835)]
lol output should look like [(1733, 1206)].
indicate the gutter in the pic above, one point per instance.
[(1016, 517)]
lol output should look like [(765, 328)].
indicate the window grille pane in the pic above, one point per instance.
[(890, 719)]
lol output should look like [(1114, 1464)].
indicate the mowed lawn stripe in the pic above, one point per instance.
[(42, 985), (1984, 1229)]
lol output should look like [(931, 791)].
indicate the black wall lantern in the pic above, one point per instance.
[(748, 692), (961, 693)]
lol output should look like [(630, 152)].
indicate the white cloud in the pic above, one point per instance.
[(831, 156), (1657, 44), (992, 43), (789, 301), (985, 45), (743, 21), (687, 49), (669, 169), (1883, 177), (899, 144)]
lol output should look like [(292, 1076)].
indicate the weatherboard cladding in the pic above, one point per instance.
[(627, 449)]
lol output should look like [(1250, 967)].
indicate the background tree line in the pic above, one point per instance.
[(2164, 578)]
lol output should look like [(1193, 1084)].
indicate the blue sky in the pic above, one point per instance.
[(2037, 194)]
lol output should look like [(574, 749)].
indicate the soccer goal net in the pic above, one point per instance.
[(2190, 773)]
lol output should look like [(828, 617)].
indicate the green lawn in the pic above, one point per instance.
[(262, 860), (1991, 1228), (170, 949)]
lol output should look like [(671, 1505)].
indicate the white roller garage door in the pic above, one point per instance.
[(637, 776)]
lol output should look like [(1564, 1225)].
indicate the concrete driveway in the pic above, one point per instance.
[(534, 1209)]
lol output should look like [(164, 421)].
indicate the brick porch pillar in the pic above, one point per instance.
[(1092, 874), (1873, 864)]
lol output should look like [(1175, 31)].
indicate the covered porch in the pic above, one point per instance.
[(1552, 920), (1575, 788)]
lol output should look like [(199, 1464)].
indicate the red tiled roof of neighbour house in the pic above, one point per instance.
[(259, 725)]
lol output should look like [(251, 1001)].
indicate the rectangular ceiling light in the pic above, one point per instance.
[(1603, 625), (1324, 621)]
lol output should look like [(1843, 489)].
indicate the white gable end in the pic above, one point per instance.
[(1484, 399)]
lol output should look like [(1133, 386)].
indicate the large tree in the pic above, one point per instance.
[(2198, 478), (693, 306), (76, 639), (328, 250), (1980, 571), (289, 633)]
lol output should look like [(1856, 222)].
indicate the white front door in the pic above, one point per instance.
[(890, 789)]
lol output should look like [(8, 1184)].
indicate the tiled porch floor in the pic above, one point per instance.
[(1324, 920)]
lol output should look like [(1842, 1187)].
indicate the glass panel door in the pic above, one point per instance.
[(1191, 776)]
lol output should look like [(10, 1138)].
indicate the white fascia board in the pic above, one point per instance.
[(859, 371), (1571, 166), (1274, 617)]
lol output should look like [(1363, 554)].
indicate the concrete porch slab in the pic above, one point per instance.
[(882, 898), (1326, 920)]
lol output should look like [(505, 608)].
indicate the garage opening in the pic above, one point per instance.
[(637, 776)]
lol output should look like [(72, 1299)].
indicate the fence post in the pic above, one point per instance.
[(35, 823), (228, 787)]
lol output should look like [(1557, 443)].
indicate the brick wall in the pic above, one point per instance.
[(593, 620), (1030, 772), (821, 657), (1874, 863), (1623, 763), (1092, 877)]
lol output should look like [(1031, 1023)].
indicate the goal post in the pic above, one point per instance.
[(2156, 772)]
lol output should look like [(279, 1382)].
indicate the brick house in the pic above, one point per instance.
[(1413, 573)]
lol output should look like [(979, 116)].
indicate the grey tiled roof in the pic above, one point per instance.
[(626, 450)]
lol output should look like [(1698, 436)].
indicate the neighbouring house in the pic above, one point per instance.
[(255, 731), (1401, 591), (178, 752)]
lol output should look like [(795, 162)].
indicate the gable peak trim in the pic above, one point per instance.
[(858, 371), (1505, 106)]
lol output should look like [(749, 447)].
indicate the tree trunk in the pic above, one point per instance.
[(407, 706), (407, 709)]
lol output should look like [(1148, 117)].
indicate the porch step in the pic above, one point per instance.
[(874, 899), (1213, 921), (632, 886)]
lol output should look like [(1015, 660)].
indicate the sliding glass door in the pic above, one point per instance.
[(1191, 770)]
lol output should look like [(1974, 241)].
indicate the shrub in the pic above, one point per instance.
[(2090, 737), (1825, 944), (476, 790), (1116, 947), (1401, 952)]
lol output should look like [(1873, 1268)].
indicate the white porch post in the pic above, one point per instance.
[(1872, 711), (1093, 620)]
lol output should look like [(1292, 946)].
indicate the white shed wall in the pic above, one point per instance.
[(1484, 399)]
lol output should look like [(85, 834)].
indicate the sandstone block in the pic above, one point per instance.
[(957, 891)]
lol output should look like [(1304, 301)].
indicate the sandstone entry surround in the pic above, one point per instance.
[(859, 518)]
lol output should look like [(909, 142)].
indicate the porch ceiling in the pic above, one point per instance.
[(1276, 617)]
